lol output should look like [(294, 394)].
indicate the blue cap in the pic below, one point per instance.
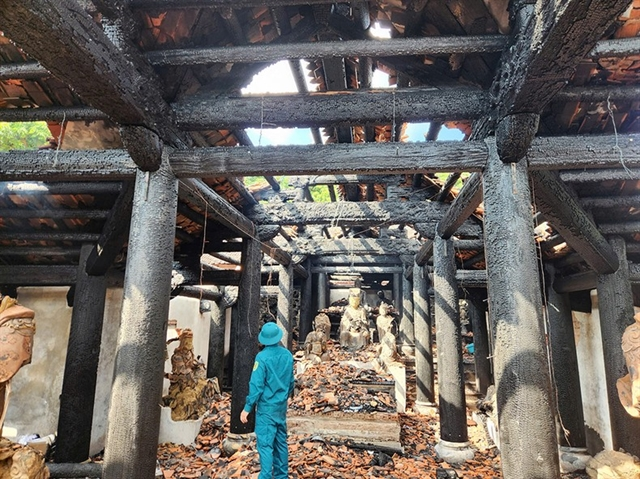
[(270, 334)]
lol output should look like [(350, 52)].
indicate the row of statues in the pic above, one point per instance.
[(355, 332)]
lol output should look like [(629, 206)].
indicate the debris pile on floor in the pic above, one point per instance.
[(340, 386)]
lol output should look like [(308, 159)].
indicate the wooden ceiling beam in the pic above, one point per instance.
[(346, 213), (57, 214), (436, 45), (349, 107), (463, 206), (60, 188), (32, 275), (548, 153), (600, 175), (561, 208)]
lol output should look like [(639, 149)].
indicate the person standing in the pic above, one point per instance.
[(270, 386)]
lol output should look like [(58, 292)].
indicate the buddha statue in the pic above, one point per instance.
[(322, 323), (354, 325), (315, 346), (384, 321)]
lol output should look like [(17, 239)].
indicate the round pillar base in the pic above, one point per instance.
[(573, 459), (233, 442), (454, 452), (425, 408)]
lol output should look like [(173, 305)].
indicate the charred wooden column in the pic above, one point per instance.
[(616, 313), (323, 298), (407, 336), (521, 368), (306, 309), (564, 359), (453, 445), (134, 415), (285, 302), (397, 292), (81, 365), (247, 328), (215, 363), (422, 324), (481, 354)]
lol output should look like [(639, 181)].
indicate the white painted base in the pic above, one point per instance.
[(454, 452), (425, 408), (177, 432)]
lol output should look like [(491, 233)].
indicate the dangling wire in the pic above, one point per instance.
[(615, 133)]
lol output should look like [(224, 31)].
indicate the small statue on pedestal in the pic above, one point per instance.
[(384, 321), (315, 346), (629, 385), (190, 393), (354, 325)]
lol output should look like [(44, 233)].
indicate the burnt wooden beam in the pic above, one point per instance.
[(49, 236), (591, 152), (471, 278), (576, 282), (446, 188), (599, 175), (424, 253), (357, 269), (360, 259), (85, 470), (613, 48), (54, 213), (198, 293), (354, 246), (198, 193), (436, 45), (463, 206), (35, 275), (52, 165), (282, 257), (114, 233), (561, 208), (331, 159), (613, 93), (548, 38), (67, 188), (630, 227), (72, 46), (353, 179), (68, 252), (320, 109), (78, 113), (218, 4), (605, 202), (225, 258)]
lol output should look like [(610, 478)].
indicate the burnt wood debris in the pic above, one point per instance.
[(502, 239)]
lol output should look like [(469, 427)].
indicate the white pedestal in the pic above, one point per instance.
[(177, 432)]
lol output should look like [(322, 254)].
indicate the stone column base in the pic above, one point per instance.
[(425, 408), (233, 442), (454, 452), (573, 459)]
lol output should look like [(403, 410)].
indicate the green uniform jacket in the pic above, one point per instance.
[(271, 380)]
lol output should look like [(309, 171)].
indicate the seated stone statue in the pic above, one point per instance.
[(629, 386), (322, 323), (354, 325), (315, 346), (190, 393), (387, 352), (384, 321)]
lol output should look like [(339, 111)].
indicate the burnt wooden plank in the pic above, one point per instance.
[(424, 253), (354, 246), (54, 213)]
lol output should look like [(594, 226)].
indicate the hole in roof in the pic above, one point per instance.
[(418, 131), (277, 78)]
